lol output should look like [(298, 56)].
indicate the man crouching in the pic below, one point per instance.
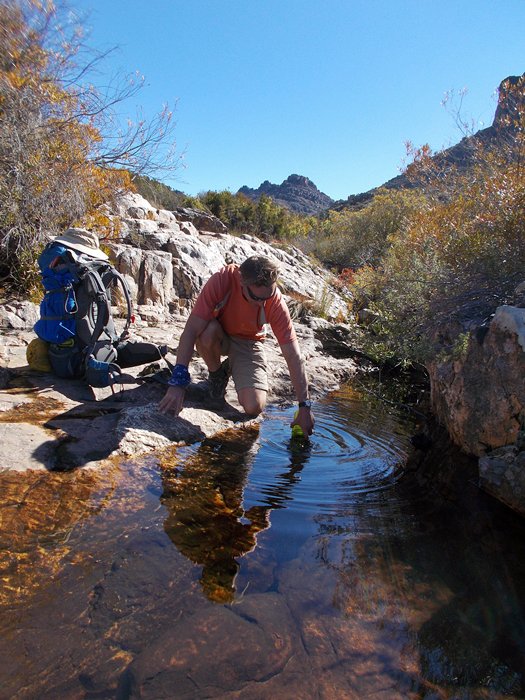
[(228, 319)]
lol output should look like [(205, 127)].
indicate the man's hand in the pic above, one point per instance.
[(172, 401), (305, 420)]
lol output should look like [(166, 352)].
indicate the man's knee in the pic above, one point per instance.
[(253, 401), (210, 336)]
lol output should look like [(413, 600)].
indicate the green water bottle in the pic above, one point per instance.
[(297, 431)]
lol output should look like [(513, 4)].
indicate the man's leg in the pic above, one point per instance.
[(248, 367), (211, 343), (208, 345), (252, 400)]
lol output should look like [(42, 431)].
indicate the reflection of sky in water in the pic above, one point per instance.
[(352, 458)]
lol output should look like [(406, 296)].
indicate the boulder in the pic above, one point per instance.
[(480, 396), (201, 220), (156, 278), (18, 314)]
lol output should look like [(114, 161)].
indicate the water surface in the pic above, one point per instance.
[(256, 566)]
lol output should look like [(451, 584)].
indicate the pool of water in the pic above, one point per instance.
[(256, 566)]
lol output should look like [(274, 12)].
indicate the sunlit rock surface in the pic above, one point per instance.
[(165, 259), (53, 423), (197, 253)]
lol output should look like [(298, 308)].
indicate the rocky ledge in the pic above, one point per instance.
[(51, 423)]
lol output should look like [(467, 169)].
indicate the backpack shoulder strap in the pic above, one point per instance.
[(127, 296), (101, 301), (100, 281), (220, 306)]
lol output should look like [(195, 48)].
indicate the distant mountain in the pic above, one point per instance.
[(297, 193), (511, 103)]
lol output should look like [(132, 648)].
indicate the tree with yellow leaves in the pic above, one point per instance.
[(62, 153)]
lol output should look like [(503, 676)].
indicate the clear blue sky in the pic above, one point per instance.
[(329, 89)]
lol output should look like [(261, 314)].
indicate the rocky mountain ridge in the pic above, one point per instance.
[(297, 193), (511, 103)]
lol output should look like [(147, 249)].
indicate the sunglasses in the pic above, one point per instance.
[(255, 297)]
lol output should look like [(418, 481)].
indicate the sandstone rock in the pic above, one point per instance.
[(165, 269), (217, 650), (128, 261), (480, 396), (156, 283), (153, 315), (134, 206), (138, 228), (143, 428), (26, 446), (202, 221), (18, 314), (502, 474)]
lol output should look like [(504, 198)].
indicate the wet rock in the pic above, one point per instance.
[(502, 474), (215, 651)]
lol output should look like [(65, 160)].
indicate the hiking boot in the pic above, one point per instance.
[(218, 381)]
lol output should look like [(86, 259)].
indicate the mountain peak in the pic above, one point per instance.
[(297, 193)]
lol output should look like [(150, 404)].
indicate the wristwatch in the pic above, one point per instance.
[(305, 404)]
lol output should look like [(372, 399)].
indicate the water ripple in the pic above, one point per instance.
[(354, 455)]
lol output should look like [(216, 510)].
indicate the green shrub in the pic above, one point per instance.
[(351, 239)]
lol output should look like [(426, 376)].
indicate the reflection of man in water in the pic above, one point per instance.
[(206, 519)]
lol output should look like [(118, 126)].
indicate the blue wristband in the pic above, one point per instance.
[(180, 376)]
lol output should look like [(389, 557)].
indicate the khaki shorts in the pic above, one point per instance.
[(247, 362)]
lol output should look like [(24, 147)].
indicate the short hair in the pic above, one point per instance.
[(259, 271)]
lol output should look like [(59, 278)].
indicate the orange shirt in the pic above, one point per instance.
[(239, 317)]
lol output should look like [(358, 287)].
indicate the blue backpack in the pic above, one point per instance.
[(75, 314)]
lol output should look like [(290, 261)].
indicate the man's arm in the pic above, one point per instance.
[(296, 368), (174, 397)]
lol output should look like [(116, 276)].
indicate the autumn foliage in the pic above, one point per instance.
[(458, 256), (58, 165)]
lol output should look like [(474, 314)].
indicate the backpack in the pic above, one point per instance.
[(75, 314)]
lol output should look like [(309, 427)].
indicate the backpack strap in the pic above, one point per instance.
[(220, 306), (102, 304), (127, 296), (84, 269)]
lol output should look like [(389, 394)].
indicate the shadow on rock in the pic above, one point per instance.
[(129, 423)]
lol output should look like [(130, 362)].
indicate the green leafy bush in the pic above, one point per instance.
[(351, 239)]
